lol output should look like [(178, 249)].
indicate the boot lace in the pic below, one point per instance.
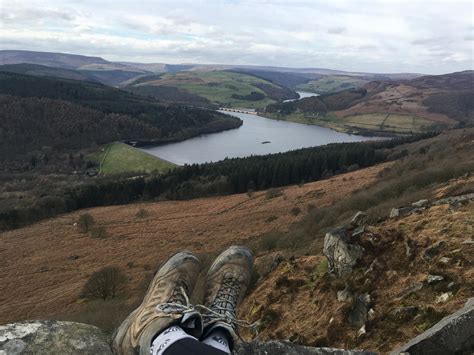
[(222, 309)]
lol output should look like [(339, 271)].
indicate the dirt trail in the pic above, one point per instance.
[(44, 266)]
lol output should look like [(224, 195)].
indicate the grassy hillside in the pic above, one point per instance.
[(367, 124), (222, 88), (425, 103), (332, 83), (118, 158)]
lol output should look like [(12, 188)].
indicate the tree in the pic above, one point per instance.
[(86, 221), (104, 283)]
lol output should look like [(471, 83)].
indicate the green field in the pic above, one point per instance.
[(373, 122), (216, 86), (331, 84), (116, 158)]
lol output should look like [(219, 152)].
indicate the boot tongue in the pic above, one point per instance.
[(192, 323)]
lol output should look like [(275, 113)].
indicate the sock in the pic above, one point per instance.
[(167, 337), (218, 339)]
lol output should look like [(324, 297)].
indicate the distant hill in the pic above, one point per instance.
[(463, 80), (79, 67), (59, 60), (221, 88), (118, 72), (42, 70)]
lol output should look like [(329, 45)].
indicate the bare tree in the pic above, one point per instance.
[(104, 283), (86, 221)]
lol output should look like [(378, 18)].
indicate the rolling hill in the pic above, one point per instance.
[(77, 66), (120, 73), (222, 88), (43, 70)]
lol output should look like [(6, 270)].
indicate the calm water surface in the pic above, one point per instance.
[(247, 140)]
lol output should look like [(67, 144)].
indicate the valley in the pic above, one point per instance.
[(122, 164)]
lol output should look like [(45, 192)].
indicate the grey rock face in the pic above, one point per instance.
[(434, 250), (433, 279), (399, 212), (359, 313), (359, 219), (409, 290), (52, 337), (454, 334), (421, 203), (279, 347), (455, 199), (341, 254)]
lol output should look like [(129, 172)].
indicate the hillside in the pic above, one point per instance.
[(222, 88), (42, 70), (164, 122), (74, 66), (332, 83), (387, 108), (54, 257), (50, 59), (204, 225)]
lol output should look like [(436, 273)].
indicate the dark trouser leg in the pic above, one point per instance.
[(189, 346)]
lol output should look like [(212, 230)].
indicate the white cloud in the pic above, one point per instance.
[(366, 35)]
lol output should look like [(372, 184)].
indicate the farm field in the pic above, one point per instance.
[(216, 86), (331, 84), (373, 122), (116, 158)]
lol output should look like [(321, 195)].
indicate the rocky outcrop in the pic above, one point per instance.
[(279, 347), (52, 337), (56, 337), (454, 202), (340, 247), (452, 335)]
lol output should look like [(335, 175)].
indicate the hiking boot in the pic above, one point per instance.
[(226, 284), (165, 304)]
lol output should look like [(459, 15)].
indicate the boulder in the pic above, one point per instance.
[(399, 212), (433, 279), (52, 337), (342, 255), (434, 250), (359, 219), (344, 295), (421, 203), (414, 288), (454, 334), (359, 312), (455, 199), (59, 338)]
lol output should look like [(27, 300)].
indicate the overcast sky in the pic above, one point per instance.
[(368, 35)]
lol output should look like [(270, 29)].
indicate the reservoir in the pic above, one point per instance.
[(257, 136)]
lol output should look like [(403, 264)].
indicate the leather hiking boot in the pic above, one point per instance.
[(226, 283), (165, 304)]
